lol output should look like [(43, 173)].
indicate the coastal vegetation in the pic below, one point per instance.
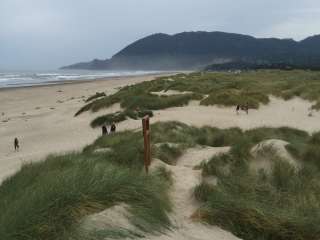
[(120, 116), (281, 203), (95, 96), (49, 199), (277, 203), (211, 88)]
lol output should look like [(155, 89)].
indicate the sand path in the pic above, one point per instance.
[(185, 179)]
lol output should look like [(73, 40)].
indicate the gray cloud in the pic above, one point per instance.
[(50, 33)]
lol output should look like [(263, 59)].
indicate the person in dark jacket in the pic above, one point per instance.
[(238, 109), (113, 128), (104, 130), (16, 144)]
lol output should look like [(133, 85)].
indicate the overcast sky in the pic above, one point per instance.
[(46, 34)]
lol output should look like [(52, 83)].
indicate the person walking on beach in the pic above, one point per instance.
[(113, 128), (16, 144), (104, 130), (247, 108)]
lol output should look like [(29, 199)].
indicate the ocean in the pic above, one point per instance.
[(33, 78)]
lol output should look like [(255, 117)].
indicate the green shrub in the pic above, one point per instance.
[(235, 97), (296, 149), (97, 95), (108, 119), (169, 153), (126, 148), (315, 138), (217, 165), (312, 154), (202, 191), (119, 117)]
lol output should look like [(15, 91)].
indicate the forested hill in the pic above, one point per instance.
[(195, 50)]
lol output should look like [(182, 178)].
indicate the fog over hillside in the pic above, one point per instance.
[(195, 50)]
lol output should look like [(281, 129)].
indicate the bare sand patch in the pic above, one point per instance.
[(170, 93), (278, 113), (114, 218)]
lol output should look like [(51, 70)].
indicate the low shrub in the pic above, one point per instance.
[(97, 95), (119, 117), (169, 153)]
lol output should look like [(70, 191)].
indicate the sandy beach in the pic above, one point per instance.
[(43, 118)]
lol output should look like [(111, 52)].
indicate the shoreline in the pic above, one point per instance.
[(82, 81)]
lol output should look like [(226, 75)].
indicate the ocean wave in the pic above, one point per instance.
[(10, 79)]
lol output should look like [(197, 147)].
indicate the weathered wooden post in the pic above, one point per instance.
[(146, 137)]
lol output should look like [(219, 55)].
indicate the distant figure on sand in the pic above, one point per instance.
[(16, 144), (238, 108), (104, 130), (244, 108), (113, 128)]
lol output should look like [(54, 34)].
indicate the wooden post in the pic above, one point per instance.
[(146, 137)]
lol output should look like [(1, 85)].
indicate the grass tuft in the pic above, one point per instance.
[(95, 96), (119, 117)]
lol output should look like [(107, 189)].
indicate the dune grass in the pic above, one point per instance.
[(283, 204), (108, 119), (139, 97), (48, 199), (119, 117), (95, 96), (169, 153), (225, 89), (308, 151)]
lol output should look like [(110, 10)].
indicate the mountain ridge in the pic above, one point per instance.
[(195, 50)]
